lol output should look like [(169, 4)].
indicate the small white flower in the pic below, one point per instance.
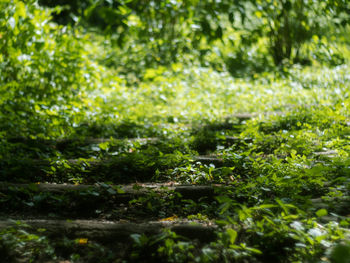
[(297, 226), (23, 57), (315, 232)]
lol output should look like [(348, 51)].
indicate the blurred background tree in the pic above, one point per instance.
[(169, 31)]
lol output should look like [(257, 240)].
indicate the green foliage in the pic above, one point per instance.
[(41, 65), (17, 245), (341, 253), (72, 95), (287, 24), (253, 34)]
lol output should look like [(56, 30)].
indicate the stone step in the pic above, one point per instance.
[(118, 169), (220, 161), (61, 144), (113, 231), (133, 201), (122, 168), (92, 148), (121, 192), (86, 140), (69, 144)]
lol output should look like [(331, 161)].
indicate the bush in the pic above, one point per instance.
[(42, 67)]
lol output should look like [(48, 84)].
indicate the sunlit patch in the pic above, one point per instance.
[(82, 241), (171, 218)]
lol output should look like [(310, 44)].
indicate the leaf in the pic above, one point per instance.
[(136, 238), (266, 206), (104, 146), (31, 204), (119, 189), (232, 234), (66, 165), (254, 250), (21, 9), (124, 10), (111, 191), (258, 14), (322, 212), (223, 199), (221, 222)]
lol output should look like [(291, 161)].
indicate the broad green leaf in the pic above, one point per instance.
[(232, 234), (322, 212)]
